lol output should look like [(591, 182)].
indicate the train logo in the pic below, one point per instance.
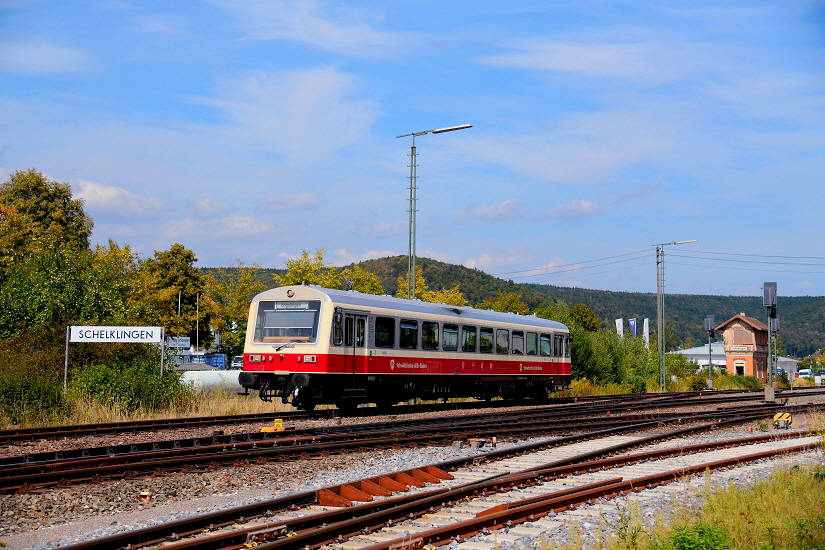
[(392, 364)]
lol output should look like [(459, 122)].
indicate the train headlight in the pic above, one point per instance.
[(255, 358)]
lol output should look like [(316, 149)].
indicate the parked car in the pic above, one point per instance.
[(820, 372), (803, 372), (237, 362)]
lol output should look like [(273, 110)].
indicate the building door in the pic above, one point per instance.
[(739, 368)]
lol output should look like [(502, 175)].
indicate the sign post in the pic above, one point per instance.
[(136, 335)]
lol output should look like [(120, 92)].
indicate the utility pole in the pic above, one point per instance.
[(709, 325)]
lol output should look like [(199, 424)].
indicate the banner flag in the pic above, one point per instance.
[(646, 332), (632, 323), (620, 327)]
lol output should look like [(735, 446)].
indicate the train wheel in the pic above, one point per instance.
[(307, 405)]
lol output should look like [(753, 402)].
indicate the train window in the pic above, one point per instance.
[(485, 340), (449, 337), (283, 322), (518, 342), (546, 344), (338, 331), (502, 341), (384, 332), (558, 345), (408, 335), (468, 339), (360, 332), (532, 343), (567, 346), (429, 335), (349, 325)]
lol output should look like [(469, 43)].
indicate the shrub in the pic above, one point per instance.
[(699, 536), (131, 386), (697, 382)]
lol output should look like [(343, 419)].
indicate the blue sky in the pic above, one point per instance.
[(252, 130)]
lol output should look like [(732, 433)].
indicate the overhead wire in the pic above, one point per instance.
[(569, 264)]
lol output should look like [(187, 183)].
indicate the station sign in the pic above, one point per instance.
[(116, 334)]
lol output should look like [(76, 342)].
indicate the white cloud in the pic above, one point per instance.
[(574, 209), (228, 227), (305, 115), (210, 207), (301, 201), (117, 201), (508, 209), (342, 256), (584, 147), (43, 57), (387, 228), (344, 32)]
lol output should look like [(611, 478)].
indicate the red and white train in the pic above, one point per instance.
[(316, 345)]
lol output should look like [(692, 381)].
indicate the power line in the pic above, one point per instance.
[(761, 255), (588, 274), (576, 268), (743, 261), (574, 263), (747, 268)]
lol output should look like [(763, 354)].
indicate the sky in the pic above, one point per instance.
[(254, 130)]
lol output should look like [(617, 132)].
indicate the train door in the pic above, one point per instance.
[(355, 343)]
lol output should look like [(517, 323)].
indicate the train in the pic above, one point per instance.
[(309, 345)]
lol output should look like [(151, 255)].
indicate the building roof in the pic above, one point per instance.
[(753, 322)]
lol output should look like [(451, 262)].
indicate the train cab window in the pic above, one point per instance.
[(546, 345), (532, 343), (485, 340), (468, 339), (384, 332), (280, 322), (518, 342), (408, 335), (429, 335), (502, 341), (449, 337), (349, 329), (558, 345), (567, 346)]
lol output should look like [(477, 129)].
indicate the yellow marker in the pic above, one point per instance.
[(278, 423)]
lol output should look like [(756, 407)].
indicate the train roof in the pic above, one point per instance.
[(353, 298)]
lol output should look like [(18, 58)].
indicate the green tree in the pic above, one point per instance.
[(226, 298), (362, 280), (585, 317), (452, 296), (506, 302), (49, 206), (170, 283), (309, 271)]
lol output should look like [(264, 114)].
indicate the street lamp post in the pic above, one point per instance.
[(660, 308), (414, 200)]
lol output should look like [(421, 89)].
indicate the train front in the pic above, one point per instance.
[(282, 349)]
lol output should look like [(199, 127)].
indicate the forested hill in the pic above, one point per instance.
[(803, 317)]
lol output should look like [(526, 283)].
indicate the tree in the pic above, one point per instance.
[(362, 280), (506, 302), (18, 238), (170, 283), (452, 296), (227, 297), (309, 271), (49, 206), (585, 317)]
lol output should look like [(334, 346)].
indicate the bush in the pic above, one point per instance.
[(697, 382), (131, 386), (699, 536)]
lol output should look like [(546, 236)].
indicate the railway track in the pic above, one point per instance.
[(35, 473), (455, 500), (15, 435)]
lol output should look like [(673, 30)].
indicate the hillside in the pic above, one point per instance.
[(803, 317)]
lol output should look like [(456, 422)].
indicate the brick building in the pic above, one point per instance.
[(746, 346)]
